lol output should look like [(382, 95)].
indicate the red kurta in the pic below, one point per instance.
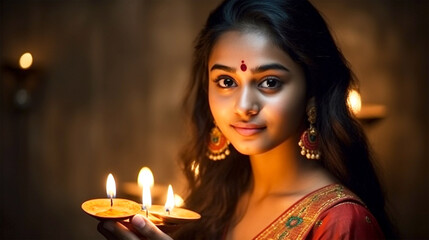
[(346, 221), (332, 212)]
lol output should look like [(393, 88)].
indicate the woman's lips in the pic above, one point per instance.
[(247, 129)]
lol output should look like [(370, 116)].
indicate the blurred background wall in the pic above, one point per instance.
[(104, 92)]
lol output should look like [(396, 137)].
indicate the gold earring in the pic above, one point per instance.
[(217, 145), (309, 141)]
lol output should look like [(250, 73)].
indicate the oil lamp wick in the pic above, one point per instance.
[(146, 210), (168, 211), (111, 201)]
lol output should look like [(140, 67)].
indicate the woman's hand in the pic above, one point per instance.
[(139, 228)]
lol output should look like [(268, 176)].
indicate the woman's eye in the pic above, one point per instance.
[(270, 83), (226, 82)]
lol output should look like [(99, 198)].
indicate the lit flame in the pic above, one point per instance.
[(354, 101), (146, 197), (145, 177), (145, 180), (111, 186), (25, 60), (169, 204)]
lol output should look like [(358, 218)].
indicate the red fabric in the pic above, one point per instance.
[(346, 221)]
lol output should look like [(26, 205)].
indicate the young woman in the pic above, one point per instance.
[(278, 153)]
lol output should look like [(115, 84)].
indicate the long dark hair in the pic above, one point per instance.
[(296, 27)]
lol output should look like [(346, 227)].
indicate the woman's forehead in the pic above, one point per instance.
[(254, 48)]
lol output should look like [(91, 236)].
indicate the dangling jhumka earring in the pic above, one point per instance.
[(309, 141), (218, 145)]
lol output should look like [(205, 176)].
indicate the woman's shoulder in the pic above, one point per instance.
[(331, 212), (346, 220)]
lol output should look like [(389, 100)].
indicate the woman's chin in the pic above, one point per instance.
[(249, 150)]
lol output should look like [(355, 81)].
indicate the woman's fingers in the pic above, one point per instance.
[(139, 228), (148, 229), (116, 231), (108, 235)]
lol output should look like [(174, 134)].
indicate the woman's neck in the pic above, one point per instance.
[(283, 171)]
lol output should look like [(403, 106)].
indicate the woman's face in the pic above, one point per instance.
[(257, 93)]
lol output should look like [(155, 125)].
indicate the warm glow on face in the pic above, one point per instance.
[(145, 177), (25, 60), (261, 108), (111, 186), (169, 204), (354, 101)]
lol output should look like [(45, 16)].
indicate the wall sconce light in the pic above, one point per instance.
[(364, 112), (20, 83)]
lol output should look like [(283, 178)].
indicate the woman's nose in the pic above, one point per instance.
[(247, 104)]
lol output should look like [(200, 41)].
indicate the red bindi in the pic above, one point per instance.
[(243, 66)]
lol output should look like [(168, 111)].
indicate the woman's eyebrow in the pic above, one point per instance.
[(272, 66), (259, 69), (223, 67)]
